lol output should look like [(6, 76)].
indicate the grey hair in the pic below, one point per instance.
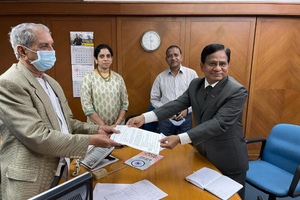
[(24, 34)]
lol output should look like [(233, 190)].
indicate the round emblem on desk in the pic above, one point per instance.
[(137, 163)]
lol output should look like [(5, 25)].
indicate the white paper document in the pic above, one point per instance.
[(138, 138), (103, 189), (214, 182), (142, 190)]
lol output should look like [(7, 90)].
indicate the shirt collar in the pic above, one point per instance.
[(179, 71), (207, 84)]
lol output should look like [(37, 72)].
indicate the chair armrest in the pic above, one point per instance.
[(263, 143), (294, 183), (253, 140)]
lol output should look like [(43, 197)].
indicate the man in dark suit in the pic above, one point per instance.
[(218, 101)]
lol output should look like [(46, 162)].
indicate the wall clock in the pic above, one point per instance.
[(150, 40)]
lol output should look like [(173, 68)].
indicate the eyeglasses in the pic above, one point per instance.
[(215, 63), (102, 56)]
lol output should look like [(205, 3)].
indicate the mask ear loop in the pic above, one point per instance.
[(23, 52), (29, 49)]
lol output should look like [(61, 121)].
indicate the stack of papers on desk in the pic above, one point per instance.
[(142, 190), (138, 138)]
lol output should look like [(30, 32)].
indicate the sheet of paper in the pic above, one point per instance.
[(224, 187), (103, 189), (203, 177), (142, 190), (138, 138)]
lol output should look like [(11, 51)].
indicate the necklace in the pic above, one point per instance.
[(106, 79)]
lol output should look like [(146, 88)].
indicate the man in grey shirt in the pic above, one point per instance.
[(168, 86)]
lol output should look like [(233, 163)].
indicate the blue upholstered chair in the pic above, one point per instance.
[(277, 171)]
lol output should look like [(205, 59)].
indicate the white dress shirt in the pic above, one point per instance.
[(62, 122)]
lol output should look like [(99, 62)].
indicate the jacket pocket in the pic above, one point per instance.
[(29, 175)]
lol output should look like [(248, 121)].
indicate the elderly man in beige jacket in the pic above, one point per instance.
[(38, 133)]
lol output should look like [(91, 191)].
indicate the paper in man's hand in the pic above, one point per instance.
[(138, 138)]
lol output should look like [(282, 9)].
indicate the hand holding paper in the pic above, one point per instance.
[(169, 142), (137, 121)]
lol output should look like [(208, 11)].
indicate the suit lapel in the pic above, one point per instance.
[(213, 94), (60, 95), (201, 94), (41, 94)]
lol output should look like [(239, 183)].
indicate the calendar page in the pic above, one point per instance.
[(82, 55), (78, 71), (76, 88)]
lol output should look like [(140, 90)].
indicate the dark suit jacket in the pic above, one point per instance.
[(218, 132)]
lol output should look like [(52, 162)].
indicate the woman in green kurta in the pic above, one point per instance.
[(104, 97)]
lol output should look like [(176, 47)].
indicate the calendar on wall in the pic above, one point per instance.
[(82, 57), (78, 71)]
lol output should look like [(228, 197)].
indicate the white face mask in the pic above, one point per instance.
[(45, 61)]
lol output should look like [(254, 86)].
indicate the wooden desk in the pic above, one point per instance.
[(167, 174)]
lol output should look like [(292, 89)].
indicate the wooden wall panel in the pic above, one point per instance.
[(104, 29), (6, 51), (275, 89), (236, 33), (138, 67), (149, 8)]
